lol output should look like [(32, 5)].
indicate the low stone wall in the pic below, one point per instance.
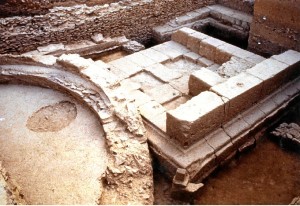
[(275, 27), (134, 19)]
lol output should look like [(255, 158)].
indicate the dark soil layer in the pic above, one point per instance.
[(268, 174)]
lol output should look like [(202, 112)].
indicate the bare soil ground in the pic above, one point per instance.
[(53, 147)]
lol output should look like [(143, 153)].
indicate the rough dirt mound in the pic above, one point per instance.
[(52, 118)]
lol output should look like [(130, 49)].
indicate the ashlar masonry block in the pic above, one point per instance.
[(163, 73), (156, 56), (163, 93), (194, 39), (208, 49), (242, 91), (291, 58), (202, 80), (181, 36), (126, 66), (273, 74), (140, 59), (193, 120)]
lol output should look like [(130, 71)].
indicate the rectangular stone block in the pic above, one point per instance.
[(192, 56), (242, 91), (255, 59), (163, 73), (208, 47), (151, 109), (190, 122), (291, 58), (267, 105), (194, 39), (176, 102), (180, 48), (170, 52), (204, 62), (236, 129), (253, 115), (156, 56), (140, 59), (163, 93), (181, 35), (273, 74), (126, 66), (221, 143), (160, 121), (202, 80), (181, 84), (139, 98), (221, 56)]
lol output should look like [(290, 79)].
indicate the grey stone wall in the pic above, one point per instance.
[(133, 18)]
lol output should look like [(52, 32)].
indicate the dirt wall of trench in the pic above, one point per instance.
[(35, 7), (69, 24), (275, 27)]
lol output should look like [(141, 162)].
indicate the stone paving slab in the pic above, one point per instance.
[(156, 56), (140, 59), (163, 93), (163, 73), (125, 65)]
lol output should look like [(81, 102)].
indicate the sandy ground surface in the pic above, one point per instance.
[(53, 147)]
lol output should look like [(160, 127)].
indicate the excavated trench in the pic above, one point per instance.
[(53, 147), (266, 174)]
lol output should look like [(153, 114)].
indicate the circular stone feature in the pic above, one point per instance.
[(52, 118)]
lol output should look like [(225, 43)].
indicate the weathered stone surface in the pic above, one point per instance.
[(156, 56), (151, 109), (192, 56), (253, 115), (139, 98), (97, 38), (51, 48), (208, 47), (181, 84), (196, 118), (221, 143), (202, 80), (233, 67), (176, 102), (272, 72), (163, 73), (140, 60), (79, 45), (181, 36), (289, 57), (163, 93), (243, 91), (133, 46), (125, 65), (288, 131), (194, 40)]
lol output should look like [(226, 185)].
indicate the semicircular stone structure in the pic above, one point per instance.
[(101, 148)]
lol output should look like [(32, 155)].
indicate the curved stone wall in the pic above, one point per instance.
[(129, 172)]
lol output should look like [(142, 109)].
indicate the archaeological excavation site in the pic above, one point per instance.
[(142, 102)]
